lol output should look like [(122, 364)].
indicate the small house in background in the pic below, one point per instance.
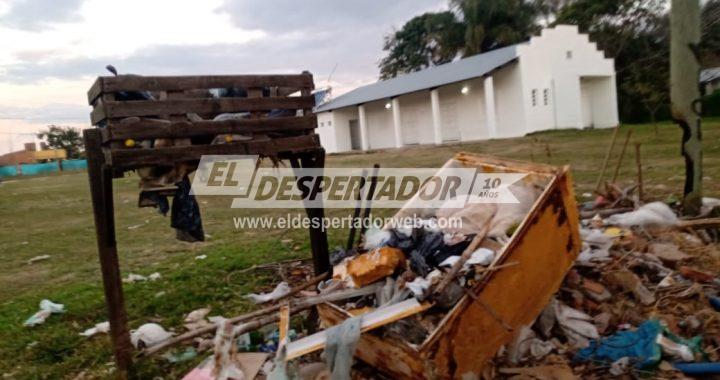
[(710, 80), (556, 80), (30, 155)]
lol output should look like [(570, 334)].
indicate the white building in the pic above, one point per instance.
[(556, 80), (710, 80)]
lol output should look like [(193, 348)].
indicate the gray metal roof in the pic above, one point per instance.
[(709, 75), (464, 69)]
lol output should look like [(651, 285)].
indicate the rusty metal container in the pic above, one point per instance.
[(544, 246)]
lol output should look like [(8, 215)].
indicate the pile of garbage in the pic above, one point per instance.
[(401, 282), (641, 300)]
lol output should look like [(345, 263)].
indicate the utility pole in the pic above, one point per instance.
[(685, 94)]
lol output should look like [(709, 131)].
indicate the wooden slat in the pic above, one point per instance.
[(119, 109), (95, 90), (149, 128), (97, 114), (308, 92), (131, 158), (370, 321), (172, 83)]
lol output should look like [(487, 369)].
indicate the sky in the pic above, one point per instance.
[(52, 50)]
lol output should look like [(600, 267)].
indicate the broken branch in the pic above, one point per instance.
[(263, 320), (453, 272)]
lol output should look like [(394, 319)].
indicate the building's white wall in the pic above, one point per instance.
[(334, 129), (509, 98), (598, 106), (416, 118), (545, 65), (326, 130), (463, 115), (380, 125), (463, 118), (604, 101)]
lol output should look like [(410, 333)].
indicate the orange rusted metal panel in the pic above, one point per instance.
[(544, 247)]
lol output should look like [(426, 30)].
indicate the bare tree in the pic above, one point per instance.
[(685, 94)]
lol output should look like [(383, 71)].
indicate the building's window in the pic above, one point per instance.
[(533, 96), (546, 96), (322, 124), (568, 54), (329, 123)]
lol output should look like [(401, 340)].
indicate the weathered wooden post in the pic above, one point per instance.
[(685, 94)]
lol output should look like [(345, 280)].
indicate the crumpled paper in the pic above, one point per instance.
[(47, 308)]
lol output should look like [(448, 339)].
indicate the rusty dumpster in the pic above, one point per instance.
[(542, 247)]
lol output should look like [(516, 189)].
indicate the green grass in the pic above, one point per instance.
[(52, 215)]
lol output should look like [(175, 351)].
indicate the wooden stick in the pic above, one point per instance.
[(370, 321), (284, 325), (699, 223), (453, 272), (607, 158), (622, 155), (639, 172), (261, 320), (496, 267), (368, 202), (356, 213), (270, 265), (604, 212)]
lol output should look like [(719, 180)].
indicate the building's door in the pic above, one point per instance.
[(449, 120), (410, 127), (355, 136)]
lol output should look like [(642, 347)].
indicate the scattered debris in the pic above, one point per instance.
[(577, 326), (698, 369), (201, 257), (132, 277), (47, 308), (628, 281), (668, 253), (640, 296), (280, 290), (148, 335), (35, 259), (546, 372), (370, 267), (136, 226), (100, 328), (697, 275), (250, 364), (196, 319), (639, 345), (178, 357), (375, 238), (226, 364), (656, 214)]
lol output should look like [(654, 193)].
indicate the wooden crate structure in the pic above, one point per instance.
[(182, 109), (139, 120), (544, 247)]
